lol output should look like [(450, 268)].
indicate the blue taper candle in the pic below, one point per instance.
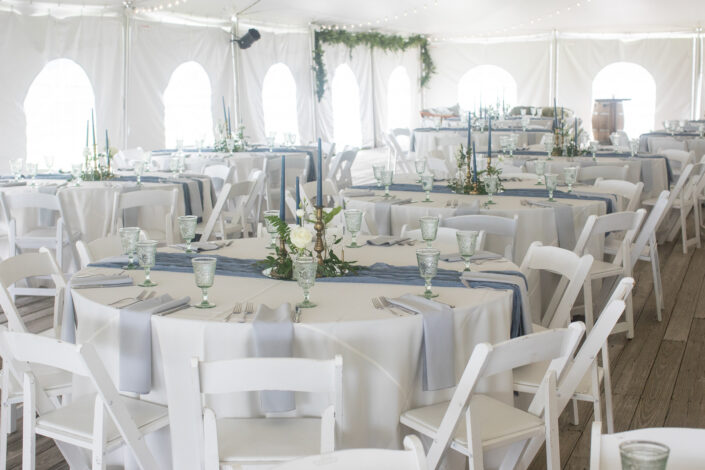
[(555, 113), (107, 147), (282, 189), (225, 113), (93, 127), (489, 138), (230, 129), (88, 125), (298, 200), (474, 164), (469, 129), (319, 179)]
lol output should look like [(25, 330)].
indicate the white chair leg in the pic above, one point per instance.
[(684, 231), (576, 413), (607, 382), (595, 390), (28, 435), (658, 286), (629, 315), (587, 296), (4, 423), (553, 456)]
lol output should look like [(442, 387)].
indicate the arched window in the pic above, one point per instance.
[(398, 98), (486, 85), (187, 106), (57, 105), (347, 128), (279, 102), (632, 81)]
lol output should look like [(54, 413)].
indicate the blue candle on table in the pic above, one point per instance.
[(469, 129), (93, 126), (225, 114), (107, 147), (489, 138), (319, 179), (474, 164), (298, 200), (562, 118), (555, 114), (282, 189), (230, 129), (575, 133)]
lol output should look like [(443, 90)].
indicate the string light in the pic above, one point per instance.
[(386, 20), (160, 6)]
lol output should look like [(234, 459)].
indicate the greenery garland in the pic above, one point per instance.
[(385, 42)]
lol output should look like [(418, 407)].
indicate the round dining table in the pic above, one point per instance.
[(381, 350)]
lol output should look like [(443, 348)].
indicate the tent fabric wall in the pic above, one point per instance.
[(384, 64), (156, 50), (360, 62), (294, 51), (28, 43), (668, 60), (530, 68)]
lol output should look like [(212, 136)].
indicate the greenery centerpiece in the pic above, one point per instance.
[(385, 42), (227, 141), (97, 165), (469, 178), (297, 242)]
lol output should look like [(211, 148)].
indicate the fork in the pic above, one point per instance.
[(390, 305), (379, 305), (249, 308), (140, 297), (236, 310)]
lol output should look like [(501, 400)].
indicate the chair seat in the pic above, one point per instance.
[(531, 375), (499, 423), (76, 419), (612, 247), (268, 439), (600, 269)]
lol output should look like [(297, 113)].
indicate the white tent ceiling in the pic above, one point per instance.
[(439, 18)]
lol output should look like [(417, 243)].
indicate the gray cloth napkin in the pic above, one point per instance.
[(565, 228), (197, 246), (480, 255), (9, 184), (351, 192), (438, 347), (136, 342), (68, 319), (387, 240), (273, 333)]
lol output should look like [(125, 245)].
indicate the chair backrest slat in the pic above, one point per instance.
[(505, 227)]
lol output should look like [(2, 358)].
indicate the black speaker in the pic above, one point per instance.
[(248, 39)]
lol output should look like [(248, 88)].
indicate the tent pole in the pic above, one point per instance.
[(374, 105), (553, 92), (696, 96), (125, 73), (235, 33)]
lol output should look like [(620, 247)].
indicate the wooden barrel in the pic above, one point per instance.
[(607, 117)]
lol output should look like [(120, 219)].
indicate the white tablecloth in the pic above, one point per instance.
[(381, 365), (425, 140), (651, 142)]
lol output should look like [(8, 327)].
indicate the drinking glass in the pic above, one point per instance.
[(138, 166), (429, 229), (420, 166), (540, 170), (643, 455), (187, 227), (271, 228), (32, 173), (147, 159), (174, 164), (76, 170), (179, 145), (204, 271), (199, 142), (147, 255), (16, 168), (427, 185), (353, 221), (525, 121), (467, 244), (230, 145), (551, 184), (306, 268), (271, 139), (427, 259), (571, 175), (634, 147), (701, 130), (129, 236), (548, 145), (49, 162), (593, 149), (377, 171), (491, 186), (387, 178), (181, 161)]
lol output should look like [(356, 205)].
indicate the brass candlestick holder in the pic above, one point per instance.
[(319, 226)]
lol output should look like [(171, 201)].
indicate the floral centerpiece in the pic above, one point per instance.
[(469, 178), (297, 242), (227, 141)]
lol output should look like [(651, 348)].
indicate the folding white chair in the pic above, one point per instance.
[(594, 232), (591, 173), (98, 249), (296, 165), (676, 194), (53, 237), (492, 226), (678, 159), (24, 266), (444, 235), (411, 458), (229, 441), (661, 144), (340, 169), (573, 270), (645, 247), (330, 193), (527, 379), (99, 422), (628, 194), (236, 210), (165, 198), (403, 136), (685, 446), (472, 422), (219, 175), (400, 157)]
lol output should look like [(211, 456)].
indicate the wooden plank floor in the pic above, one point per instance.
[(658, 377)]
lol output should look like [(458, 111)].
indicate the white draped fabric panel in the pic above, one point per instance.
[(360, 63), (528, 62), (290, 49), (384, 64), (28, 43), (156, 50), (668, 60)]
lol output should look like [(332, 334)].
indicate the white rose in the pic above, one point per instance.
[(301, 237), (300, 213)]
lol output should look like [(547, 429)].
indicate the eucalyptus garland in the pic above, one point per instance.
[(385, 42)]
